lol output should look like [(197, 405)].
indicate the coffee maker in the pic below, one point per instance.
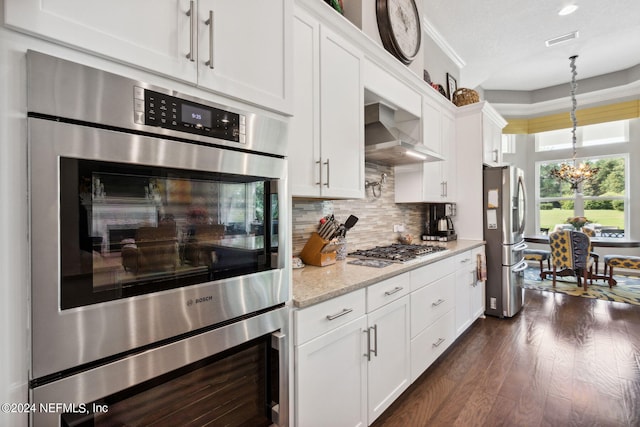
[(438, 224)]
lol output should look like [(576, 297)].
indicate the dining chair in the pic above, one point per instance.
[(596, 256), (570, 254)]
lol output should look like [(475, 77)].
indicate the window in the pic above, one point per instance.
[(605, 133), (586, 136), (553, 140), (508, 143), (604, 199)]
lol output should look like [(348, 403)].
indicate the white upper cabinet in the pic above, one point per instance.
[(245, 51), (491, 140), (473, 150), (431, 181), (247, 45), (326, 145), (480, 125), (119, 29)]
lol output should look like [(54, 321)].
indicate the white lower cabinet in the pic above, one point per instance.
[(331, 378), (330, 367), (356, 354), (431, 343), (478, 291), (348, 375), (432, 314), (469, 290), (389, 367)]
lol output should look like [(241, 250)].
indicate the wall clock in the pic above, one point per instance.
[(399, 26)]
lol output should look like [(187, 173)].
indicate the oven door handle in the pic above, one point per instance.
[(280, 409)]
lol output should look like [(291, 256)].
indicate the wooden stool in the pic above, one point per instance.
[(621, 261), (539, 255)]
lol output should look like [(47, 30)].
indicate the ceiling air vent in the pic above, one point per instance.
[(561, 39)]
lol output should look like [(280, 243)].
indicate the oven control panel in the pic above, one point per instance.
[(159, 109)]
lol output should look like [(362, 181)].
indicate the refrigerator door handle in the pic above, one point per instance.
[(522, 266), (520, 247)]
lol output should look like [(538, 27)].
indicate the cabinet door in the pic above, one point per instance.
[(465, 275), (431, 302), (419, 182), (432, 126), (331, 378), (243, 50), (149, 34), (389, 365), (449, 171), (478, 291), (431, 181), (431, 343), (341, 117), (492, 142), (304, 129)]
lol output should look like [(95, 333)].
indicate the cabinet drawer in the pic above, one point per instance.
[(429, 273), (463, 260), (430, 343), (387, 291), (321, 318), (431, 302)]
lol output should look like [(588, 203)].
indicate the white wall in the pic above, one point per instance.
[(362, 13), (438, 64)]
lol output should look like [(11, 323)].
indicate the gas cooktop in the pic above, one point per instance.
[(398, 252)]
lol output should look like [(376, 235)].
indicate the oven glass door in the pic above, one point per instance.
[(130, 229), (234, 388)]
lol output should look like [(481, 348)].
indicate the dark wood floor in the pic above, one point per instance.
[(562, 361)]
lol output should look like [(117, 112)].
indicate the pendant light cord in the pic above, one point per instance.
[(574, 105)]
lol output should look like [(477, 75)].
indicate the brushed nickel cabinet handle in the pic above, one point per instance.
[(319, 163), (368, 353), (342, 313), (437, 303), (209, 22), (375, 340), (370, 350), (192, 24), (393, 291), (328, 173), (437, 343)]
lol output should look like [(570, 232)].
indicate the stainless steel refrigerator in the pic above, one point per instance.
[(504, 221)]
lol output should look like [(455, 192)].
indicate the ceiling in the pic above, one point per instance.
[(500, 44)]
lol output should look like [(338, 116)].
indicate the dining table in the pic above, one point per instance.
[(596, 241), (603, 242)]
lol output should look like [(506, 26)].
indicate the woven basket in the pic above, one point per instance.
[(464, 96)]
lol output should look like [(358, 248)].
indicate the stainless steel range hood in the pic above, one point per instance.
[(385, 144)]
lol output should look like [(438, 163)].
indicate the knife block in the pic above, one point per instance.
[(312, 252)]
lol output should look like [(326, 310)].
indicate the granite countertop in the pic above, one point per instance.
[(312, 285)]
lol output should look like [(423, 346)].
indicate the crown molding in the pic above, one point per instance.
[(437, 38), (622, 93)]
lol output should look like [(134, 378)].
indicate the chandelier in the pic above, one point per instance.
[(571, 172)]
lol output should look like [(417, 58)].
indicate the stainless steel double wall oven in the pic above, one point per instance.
[(158, 254)]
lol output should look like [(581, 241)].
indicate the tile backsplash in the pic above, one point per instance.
[(376, 215)]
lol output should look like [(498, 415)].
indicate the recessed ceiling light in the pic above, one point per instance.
[(568, 10)]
